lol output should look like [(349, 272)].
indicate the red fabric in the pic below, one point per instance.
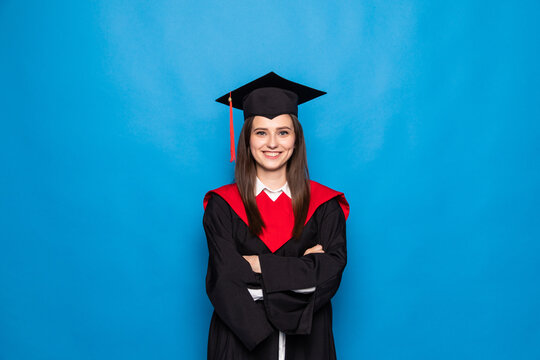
[(278, 218), (321, 194), (231, 128), (231, 195), (279, 228)]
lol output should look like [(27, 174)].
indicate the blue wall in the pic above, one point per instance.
[(110, 138)]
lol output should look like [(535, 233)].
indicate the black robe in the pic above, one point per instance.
[(245, 329)]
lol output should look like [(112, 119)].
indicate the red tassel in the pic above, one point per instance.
[(231, 128)]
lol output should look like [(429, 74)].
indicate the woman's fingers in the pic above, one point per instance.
[(317, 249), (254, 262), (314, 252)]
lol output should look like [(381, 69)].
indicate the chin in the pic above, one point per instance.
[(271, 167)]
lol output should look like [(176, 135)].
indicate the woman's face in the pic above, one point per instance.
[(272, 142)]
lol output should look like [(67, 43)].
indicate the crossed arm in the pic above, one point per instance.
[(230, 275), (253, 260)]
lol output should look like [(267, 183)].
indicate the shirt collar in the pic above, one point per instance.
[(259, 186)]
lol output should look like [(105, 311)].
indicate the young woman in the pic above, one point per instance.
[(276, 240)]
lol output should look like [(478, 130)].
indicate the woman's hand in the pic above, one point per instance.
[(253, 261), (317, 249)]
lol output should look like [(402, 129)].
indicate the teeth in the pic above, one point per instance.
[(272, 153)]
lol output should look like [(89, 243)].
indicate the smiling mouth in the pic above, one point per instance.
[(271, 154)]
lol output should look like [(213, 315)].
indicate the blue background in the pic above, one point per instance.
[(110, 137)]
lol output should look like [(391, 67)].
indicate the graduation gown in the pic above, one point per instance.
[(242, 328)]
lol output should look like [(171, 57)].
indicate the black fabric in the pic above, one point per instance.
[(270, 102), (269, 96), (245, 329)]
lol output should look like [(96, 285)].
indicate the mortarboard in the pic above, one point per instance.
[(268, 96)]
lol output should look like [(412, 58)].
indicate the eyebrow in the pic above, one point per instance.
[(279, 128)]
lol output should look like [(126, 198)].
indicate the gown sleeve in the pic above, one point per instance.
[(229, 276), (292, 312)]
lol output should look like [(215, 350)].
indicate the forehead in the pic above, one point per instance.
[(283, 120)]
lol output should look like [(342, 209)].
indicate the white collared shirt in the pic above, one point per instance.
[(272, 194)]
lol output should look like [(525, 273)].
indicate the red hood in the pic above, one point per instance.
[(319, 195)]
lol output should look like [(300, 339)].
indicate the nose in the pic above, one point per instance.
[(272, 141)]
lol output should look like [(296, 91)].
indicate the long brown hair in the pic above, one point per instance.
[(245, 173)]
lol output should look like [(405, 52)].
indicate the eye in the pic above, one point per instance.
[(260, 132), (283, 133)]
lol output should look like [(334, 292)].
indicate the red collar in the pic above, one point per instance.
[(319, 195), (281, 227)]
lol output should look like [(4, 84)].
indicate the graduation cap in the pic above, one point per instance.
[(268, 96)]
